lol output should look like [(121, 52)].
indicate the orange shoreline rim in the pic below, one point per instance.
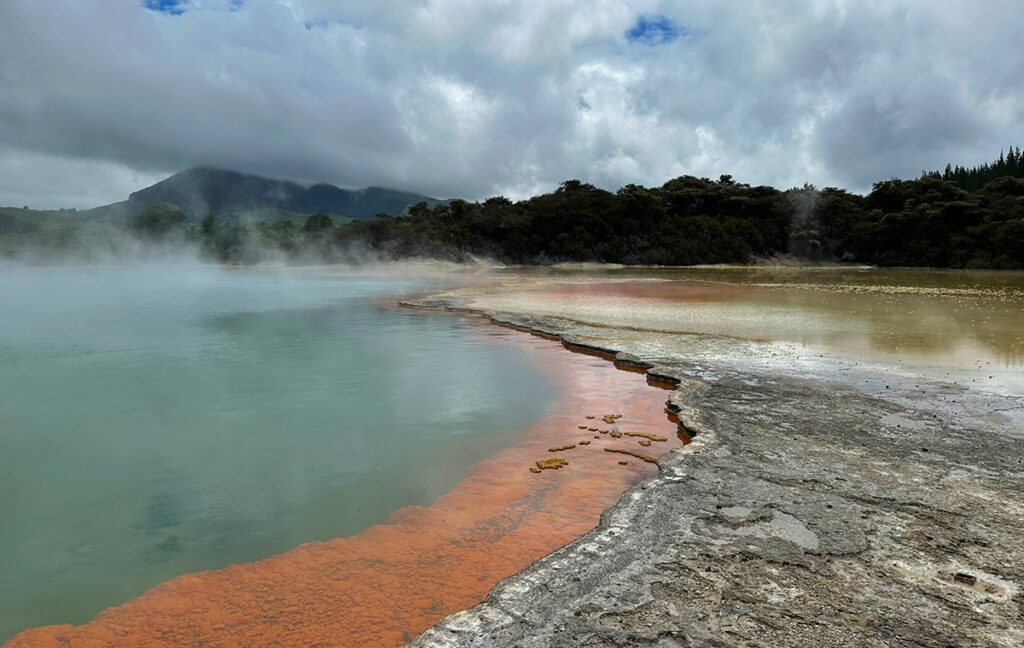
[(385, 585)]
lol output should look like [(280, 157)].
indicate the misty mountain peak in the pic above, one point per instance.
[(203, 190)]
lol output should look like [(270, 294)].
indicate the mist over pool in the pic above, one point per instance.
[(164, 419)]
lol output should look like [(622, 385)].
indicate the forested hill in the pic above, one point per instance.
[(200, 191), (925, 222)]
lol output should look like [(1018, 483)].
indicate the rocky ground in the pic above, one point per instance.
[(851, 507)]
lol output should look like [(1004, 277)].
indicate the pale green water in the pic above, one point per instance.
[(162, 420)]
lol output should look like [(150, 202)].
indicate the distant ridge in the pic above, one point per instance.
[(204, 190)]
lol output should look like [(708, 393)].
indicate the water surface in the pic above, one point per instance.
[(163, 420), (387, 584), (968, 325)]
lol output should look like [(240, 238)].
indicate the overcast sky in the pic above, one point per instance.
[(474, 98)]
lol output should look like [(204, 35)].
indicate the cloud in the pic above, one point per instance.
[(46, 181), (467, 98)]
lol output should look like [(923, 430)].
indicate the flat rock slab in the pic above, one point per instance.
[(804, 513)]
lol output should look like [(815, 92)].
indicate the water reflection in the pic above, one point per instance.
[(384, 586), (162, 421), (956, 318)]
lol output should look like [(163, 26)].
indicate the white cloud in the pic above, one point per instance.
[(468, 98)]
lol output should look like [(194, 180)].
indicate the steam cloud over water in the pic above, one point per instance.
[(167, 417)]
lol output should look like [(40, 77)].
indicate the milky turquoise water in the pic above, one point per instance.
[(160, 420)]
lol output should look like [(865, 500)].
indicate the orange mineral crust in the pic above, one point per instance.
[(387, 584)]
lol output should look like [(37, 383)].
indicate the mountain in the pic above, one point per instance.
[(204, 190)]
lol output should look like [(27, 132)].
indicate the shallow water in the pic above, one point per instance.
[(164, 420), (967, 322)]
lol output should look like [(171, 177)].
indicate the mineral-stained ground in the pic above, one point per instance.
[(815, 507)]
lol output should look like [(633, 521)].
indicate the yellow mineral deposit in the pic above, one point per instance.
[(632, 453), (551, 464), (646, 435), (569, 446)]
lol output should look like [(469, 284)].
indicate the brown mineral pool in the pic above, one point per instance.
[(967, 325)]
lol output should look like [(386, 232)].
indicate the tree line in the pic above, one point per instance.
[(933, 221), (974, 178), (927, 222)]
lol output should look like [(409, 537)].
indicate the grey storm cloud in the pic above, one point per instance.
[(468, 98)]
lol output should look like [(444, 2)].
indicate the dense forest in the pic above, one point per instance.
[(933, 221), (688, 220)]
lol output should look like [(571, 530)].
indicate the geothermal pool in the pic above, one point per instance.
[(349, 473), (164, 420), (169, 420)]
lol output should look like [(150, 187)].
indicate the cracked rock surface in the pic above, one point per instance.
[(806, 512)]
